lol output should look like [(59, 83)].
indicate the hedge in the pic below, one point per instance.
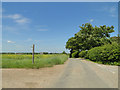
[(83, 54), (105, 54)]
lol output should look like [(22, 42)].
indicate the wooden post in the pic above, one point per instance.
[(33, 55)]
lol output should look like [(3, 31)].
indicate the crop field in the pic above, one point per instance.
[(25, 61)]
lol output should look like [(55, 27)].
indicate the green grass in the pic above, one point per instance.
[(25, 61), (105, 63)]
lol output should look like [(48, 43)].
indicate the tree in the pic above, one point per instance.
[(71, 45), (64, 52), (89, 37)]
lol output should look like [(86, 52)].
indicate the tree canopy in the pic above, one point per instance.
[(89, 37)]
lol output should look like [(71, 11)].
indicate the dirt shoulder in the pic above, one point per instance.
[(31, 78)]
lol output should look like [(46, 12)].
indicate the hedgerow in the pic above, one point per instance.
[(83, 54), (105, 54)]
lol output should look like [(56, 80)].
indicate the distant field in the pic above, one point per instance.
[(25, 61)]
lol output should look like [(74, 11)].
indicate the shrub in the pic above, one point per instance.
[(64, 52), (105, 54), (45, 52), (83, 54), (75, 54)]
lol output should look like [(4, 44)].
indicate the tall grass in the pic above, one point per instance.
[(25, 61)]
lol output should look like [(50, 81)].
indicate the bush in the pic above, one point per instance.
[(83, 54), (64, 52), (105, 54), (75, 54), (45, 52)]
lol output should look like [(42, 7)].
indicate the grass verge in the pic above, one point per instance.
[(25, 61)]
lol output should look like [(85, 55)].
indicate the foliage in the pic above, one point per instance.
[(89, 37), (25, 61), (64, 52), (105, 54), (75, 54), (71, 43), (115, 39), (83, 54), (45, 52)]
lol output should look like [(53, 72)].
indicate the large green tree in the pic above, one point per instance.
[(89, 37), (72, 45)]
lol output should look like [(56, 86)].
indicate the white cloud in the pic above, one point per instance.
[(18, 18), (91, 20), (10, 41), (14, 16), (42, 30), (23, 20)]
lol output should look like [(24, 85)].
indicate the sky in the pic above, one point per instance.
[(49, 25)]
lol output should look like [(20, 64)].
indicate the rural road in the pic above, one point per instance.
[(75, 73)]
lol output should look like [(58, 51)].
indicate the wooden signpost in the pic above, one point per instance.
[(33, 54)]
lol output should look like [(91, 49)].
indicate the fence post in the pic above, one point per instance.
[(33, 54)]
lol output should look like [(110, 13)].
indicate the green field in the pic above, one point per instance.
[(25, 61)]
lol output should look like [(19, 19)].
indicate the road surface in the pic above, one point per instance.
[(75, 73)]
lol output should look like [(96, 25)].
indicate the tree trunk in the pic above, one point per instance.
[(71, 51)]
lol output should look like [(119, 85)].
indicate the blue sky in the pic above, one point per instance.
[(50, 25)]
